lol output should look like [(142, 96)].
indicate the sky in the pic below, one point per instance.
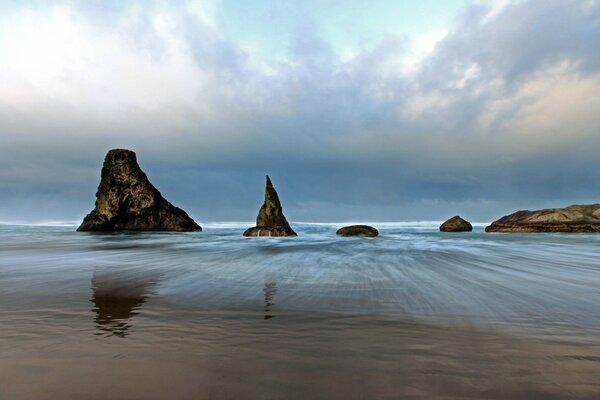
[(382, 110)]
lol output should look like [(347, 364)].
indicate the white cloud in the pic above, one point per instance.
[(169, 70), (167, 82), (420, 48), (559, 111), (57, 59), (495, 7)]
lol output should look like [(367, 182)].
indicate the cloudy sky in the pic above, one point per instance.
[(383, 110)]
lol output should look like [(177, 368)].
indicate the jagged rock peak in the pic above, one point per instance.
[(127, 201), (270, 220)]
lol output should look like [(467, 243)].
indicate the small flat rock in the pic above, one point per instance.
[(456, 224), (357, 230)]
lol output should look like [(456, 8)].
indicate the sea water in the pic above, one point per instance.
[(413, 313)]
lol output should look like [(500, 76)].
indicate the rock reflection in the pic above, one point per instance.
[(118, 297), (269, 292)]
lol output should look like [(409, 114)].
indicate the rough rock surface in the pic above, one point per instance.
[(456, 224), (127, 201), (357, 230), (270, 220), (576, 218)]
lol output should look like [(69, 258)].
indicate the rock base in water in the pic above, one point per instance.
[(270, 220), (257, 231), (456, 224), (127, 201), (576, 218), (357, 230)]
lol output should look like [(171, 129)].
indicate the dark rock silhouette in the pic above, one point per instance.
[(270, 220), (127, 201), (358, 230), (576, 218), (456, 224)]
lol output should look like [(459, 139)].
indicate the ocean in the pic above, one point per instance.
[(414, 313)]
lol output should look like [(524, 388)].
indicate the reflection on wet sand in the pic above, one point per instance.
[(118, 297), (269, 292), (211, 354)]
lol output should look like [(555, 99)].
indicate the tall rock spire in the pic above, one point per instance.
[(127, 201), (270, 220)]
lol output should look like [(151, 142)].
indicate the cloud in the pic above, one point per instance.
[(479, 118)]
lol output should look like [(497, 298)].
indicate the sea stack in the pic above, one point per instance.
[(270, 220), (127, 201), (576, 218), (357, 230), (456, 224)]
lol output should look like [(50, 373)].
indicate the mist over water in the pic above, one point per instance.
[(413, 312)]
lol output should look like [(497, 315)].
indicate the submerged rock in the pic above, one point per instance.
[(270, 220), (358, 230), (127, 201), (576, 218), (456, 224)]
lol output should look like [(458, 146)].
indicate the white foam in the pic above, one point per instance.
[(57, 223)]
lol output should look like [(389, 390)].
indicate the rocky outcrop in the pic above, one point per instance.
[(127, 201), (270, 220), (358, 230), (456, 224), (576, 218)]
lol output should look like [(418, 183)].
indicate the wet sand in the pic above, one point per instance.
[(411, 315), (296, 355)]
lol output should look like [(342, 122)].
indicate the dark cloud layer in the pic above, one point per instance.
[(502, 114)]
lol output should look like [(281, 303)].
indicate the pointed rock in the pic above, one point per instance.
[(270, 220), (456, 224), (127, 201)]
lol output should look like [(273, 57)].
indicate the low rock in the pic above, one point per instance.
[(358, 230), (575, 218), (456, 224), (127, 201), (270, 220)]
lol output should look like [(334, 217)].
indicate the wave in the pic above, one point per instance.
[(386, 225), (227, 225), (244, 225), (378, 225), (48, 223)]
